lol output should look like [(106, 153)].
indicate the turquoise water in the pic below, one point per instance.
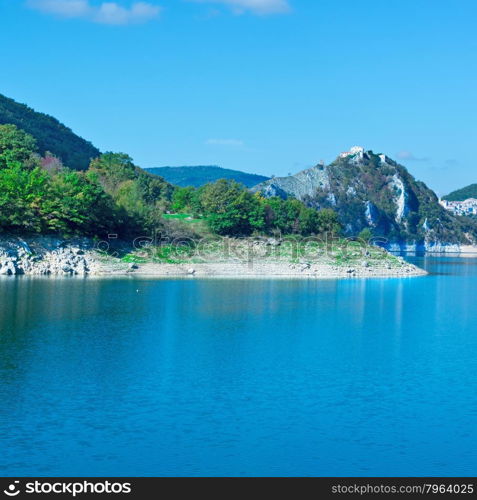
[(228, 377)]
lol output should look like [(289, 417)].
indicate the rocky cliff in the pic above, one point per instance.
[(372, 191)]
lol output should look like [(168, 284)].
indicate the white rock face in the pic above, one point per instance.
[(401, 201), (371, 213), (332, 199)]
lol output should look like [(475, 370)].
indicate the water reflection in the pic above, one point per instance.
[(231, 377)]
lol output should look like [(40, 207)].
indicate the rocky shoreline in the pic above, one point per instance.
[(49, 256), (432, 248), (265, 269)]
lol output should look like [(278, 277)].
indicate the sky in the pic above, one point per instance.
[(265, 86)]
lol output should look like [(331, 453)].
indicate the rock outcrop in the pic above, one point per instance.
[(370, 190), (47, 256)]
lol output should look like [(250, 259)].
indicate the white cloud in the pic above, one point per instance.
[(64, 8), (224, 142), (104, 13), (112, 13), (262, 7), (407, 155)]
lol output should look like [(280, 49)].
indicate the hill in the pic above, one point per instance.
[(51, 135), (197, 176), (462, 194), (372, 191)]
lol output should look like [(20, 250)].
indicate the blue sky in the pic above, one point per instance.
[(265, 86)]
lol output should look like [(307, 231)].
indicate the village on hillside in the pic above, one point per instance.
[(467, 207)]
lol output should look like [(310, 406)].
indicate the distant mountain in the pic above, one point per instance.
[(50, 134), (462, 194), (199, 175), (372, 191)]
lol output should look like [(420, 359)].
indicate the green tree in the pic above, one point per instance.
[(77, 204), (183, 199), (141, 198), (22, 192), (283, 215), (231, 209), (329, 221), (15, 145)]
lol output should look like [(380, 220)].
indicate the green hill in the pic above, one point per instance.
[(50, 134), (199, 175), (462, 194), (370, 191)]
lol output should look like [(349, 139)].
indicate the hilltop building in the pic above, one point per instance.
[(355, 150)]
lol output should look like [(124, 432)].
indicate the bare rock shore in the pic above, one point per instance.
[(80, 257), (48, 256), (265, 269)]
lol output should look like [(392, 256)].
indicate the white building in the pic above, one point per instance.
[(466, 207), (355, 150)]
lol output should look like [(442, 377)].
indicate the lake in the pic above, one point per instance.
[(139, 377)]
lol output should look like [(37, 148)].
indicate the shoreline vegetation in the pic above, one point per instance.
[(62, 222), (219, 257)]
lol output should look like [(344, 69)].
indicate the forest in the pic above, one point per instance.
[(39, 194), (51, 136)]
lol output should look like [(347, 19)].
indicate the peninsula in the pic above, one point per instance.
[(77, 211), (223, 257)]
